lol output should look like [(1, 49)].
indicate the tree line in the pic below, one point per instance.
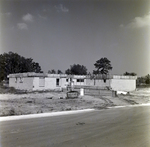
[(14, 63), (143, 80), (102, 66), (140, 80)]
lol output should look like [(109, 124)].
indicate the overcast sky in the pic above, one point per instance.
[(60, 33)]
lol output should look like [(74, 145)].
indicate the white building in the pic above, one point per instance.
[(41, 81), (37, 81), (123, 83)]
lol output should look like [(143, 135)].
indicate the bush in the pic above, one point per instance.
[(12, 111), (11, 90), (5, 89)]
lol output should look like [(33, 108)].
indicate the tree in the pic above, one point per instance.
[(147, 79), (14, 63), (130, 74), (77, 69), (143, 80), (140, 80), (52, 71), (59, 71), (103, 66), (68, 72)]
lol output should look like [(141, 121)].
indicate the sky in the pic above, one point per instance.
[(60, 33)]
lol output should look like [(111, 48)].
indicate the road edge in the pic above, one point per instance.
[(49, 114)]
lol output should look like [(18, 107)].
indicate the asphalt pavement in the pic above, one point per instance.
[(115, 127)]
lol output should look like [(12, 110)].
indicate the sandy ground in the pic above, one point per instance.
[(32, 103)]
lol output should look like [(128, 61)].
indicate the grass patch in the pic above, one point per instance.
[(9, 112), (7, 89), (143, 86)]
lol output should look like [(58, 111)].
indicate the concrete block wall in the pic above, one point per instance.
[(101, 83), (89, 82), (12, 82), (63, 82), (98, 82), (93, 90), (36, 84), (50, 83), (124, 77), (123, 83), (25, 83)]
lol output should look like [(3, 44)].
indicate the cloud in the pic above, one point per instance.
[(139, 22), (42, 17), (61, 8), (27, 18), (22, 26)]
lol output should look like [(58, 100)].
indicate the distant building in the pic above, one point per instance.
[(40, 81)]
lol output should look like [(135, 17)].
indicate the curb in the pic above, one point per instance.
[(29, 116), (136, 105)]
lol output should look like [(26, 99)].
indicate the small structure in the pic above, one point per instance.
[(72, 94)]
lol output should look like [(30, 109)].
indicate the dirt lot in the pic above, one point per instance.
[(40, 102)]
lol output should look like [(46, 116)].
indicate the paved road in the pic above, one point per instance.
[(120, 127)]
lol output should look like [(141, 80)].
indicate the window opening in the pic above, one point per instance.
[(80, 80), (104, 80), (57, 82)]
